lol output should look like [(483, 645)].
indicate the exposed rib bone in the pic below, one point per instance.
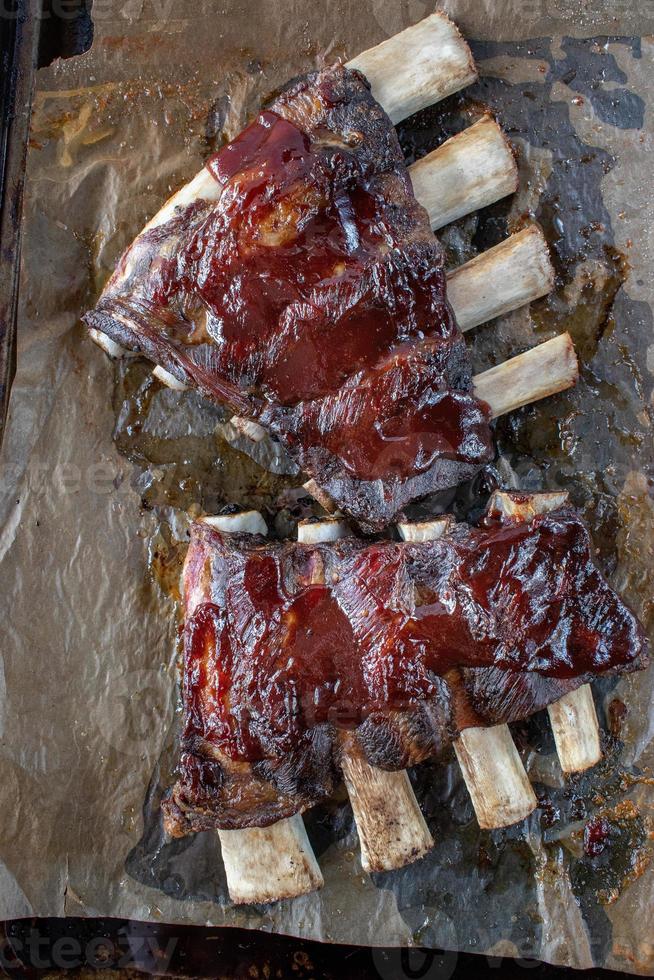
[(526, 506), (418, 67), (505, 278), (469, 171), (169, 379), (392, 829), (495, 776), (108, 345), (573, 718), (576, 730), (265, 864), (538, 373), (491, 766), (321, 496), (245, 522), (203, 187), (322, 532), (252, 430), (432, 530)]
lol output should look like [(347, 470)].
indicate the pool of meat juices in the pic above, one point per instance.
[(183, 462)]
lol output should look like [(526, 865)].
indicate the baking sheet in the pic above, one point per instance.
[(101, 467)]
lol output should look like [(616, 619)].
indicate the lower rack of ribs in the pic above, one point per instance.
[(299, 656)]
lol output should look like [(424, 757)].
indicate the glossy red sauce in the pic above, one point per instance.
[(292, 637), (398, 423), (297, 267), (286, 294)]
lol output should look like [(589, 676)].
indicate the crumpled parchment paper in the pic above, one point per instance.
[(100, 467)]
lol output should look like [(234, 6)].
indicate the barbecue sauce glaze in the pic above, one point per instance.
[(297, 636), (304, 287)]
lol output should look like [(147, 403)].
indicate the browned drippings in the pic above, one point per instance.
[(617, 848)]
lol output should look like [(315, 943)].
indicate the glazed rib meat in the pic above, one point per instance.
[(302, 285), (292, 651)]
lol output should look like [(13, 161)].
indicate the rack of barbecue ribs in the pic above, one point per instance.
[(303, 660), (297, 279)]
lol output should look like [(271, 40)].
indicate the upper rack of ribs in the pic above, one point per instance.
[(309, 295), (396, 647)]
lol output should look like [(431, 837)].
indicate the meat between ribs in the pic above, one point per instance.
[(396, 647), (305, 288)]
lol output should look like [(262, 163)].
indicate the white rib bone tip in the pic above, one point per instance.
[(108, 345), (267, 864), (392, 829), (321, 496), (169, 379), (252, 430), (418, 67), (524, 506), (322, 532), (545, 370), (576, 730), (203, 187), (418, 531), (468, 172), (499, 787), (511, 275), (247, 522)]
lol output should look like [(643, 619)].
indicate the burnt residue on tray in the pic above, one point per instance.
[(594, 442), (615, 847)]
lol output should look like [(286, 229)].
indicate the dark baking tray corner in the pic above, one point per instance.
[(31, 35)]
